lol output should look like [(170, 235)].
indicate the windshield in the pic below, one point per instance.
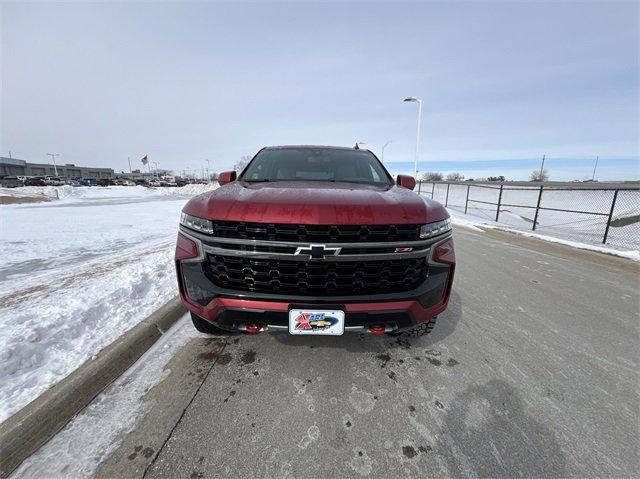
[(316, 164)]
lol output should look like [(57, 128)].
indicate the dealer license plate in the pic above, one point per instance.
[(316, 321)]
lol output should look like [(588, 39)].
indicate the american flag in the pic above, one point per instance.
[(144, 160)]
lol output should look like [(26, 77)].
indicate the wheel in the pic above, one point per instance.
[(206, 327), (421, 329)]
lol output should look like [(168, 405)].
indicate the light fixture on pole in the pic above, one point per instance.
[(383, 147), (53, 158), (412, 99)]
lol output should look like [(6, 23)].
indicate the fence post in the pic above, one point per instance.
[(499, 200), (446, 200), (433, 189), (419, 185), (466, 202), (535, 218), (613, 205)]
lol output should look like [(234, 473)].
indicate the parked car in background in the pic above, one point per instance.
[(53, 181), (11, 182), (35, 181), (89, 182)]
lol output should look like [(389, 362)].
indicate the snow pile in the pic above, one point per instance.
[(67, 192), (74, 275), (95, 433), (187, 190)]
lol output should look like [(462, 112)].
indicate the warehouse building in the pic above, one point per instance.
[(15, 167)]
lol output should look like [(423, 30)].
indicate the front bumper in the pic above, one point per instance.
[(230, 309)]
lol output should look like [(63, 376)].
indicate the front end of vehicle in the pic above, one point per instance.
[(248, 276)]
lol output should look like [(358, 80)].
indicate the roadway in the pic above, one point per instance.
[(532, 371)]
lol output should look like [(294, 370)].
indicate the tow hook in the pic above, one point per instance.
[(251, 328), (378, 329)]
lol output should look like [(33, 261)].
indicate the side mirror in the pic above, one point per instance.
[(406, 181), (227, 177)]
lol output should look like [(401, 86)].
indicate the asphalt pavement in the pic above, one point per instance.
[(532, 371)]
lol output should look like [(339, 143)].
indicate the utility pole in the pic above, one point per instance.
[(594, 170), (53, 158), (412, 99), (541, 167)]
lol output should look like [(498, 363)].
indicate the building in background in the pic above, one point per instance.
[(15, 167)]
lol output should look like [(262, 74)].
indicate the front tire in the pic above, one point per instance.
[(204, 326), (421, 329)]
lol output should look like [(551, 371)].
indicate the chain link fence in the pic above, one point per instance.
[(590, 214)]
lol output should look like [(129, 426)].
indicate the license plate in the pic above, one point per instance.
[(316, 321)]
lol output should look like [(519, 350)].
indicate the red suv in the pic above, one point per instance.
[(314, 240)]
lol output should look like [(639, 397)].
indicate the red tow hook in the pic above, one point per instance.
[(251, 328), (377, 329)]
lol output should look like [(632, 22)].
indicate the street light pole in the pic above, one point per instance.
[(594, 170), (419, 102), (208, 171), (383, 147), (53, 158), (156, 165)]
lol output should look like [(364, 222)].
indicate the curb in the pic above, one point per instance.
[(26, 431)]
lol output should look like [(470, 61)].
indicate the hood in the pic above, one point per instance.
[(312, 202)]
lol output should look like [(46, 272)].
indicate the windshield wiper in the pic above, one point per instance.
[(262, 180)]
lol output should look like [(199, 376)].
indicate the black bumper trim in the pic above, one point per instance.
[(428, 293)]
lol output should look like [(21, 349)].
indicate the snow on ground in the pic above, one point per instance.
[(473, 221), (76, 273), (96, 432), (581, 228)]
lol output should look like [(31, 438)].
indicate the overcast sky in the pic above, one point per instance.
[(193, 81)]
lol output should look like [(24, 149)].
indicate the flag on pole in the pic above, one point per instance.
[(144, 160)]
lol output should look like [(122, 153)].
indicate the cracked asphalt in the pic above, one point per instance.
[(532, 371)]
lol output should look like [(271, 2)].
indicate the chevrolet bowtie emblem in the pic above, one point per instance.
[(318, 251)]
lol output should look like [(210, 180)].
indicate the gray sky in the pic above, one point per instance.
[(184, 82)]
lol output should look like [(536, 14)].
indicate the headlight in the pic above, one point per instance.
[(434, 229), (195, 223)]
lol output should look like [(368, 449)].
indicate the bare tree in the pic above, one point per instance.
[(432, 176), (538, 175), (455, 176), (241, 163)]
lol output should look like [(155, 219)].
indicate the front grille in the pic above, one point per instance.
[(316, 233), (316, 278)]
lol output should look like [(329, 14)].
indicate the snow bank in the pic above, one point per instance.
[(97, 431), (74, 275), (85, 192)]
